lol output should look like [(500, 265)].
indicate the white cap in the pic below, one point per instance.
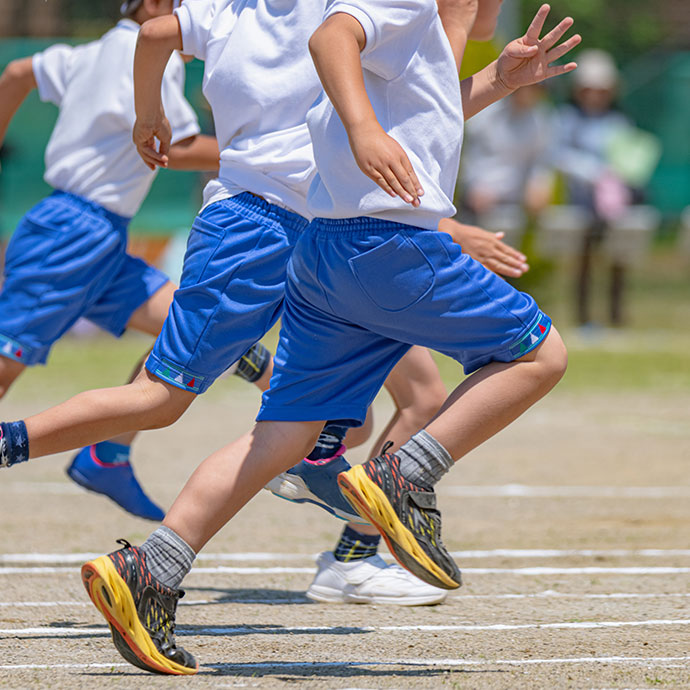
[(595, 70)]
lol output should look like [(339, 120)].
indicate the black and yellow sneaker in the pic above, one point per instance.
[(406, 516), (139, 610)]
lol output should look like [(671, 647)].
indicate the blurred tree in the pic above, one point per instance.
[(625, 28), (78, 18)]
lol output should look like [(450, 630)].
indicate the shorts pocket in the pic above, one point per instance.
[(202, 244), (395, 275)]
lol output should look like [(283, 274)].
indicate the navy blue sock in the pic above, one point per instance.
[(14, 443), (252, 364), (354, 546), (111, 453), (330, 439)]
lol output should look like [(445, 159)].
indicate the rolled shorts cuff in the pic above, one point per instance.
[(284, 412), (530, 338), (177, 375), (11, 348)]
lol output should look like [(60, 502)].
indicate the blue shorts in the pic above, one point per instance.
[(361, 291), (231, 291), (68, 259)]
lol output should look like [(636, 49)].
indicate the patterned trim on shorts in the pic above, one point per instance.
[(177, 376), (532, 337), (13, 349)]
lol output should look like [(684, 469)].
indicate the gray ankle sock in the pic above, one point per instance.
[(423, 460), (168, 556)]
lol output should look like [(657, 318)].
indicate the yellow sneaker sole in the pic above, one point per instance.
[(371, 503), (111, 596)]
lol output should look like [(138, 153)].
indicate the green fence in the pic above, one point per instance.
[(174, 198), (658, 99)]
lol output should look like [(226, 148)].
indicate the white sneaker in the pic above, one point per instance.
[(369, 581)]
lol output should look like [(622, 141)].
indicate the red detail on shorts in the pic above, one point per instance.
[(191, 383), (18, 353), (542, 328)]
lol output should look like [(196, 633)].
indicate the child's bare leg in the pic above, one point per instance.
[(226, 480), (418, 392), (488, 400), (10, 370), (97, 415)]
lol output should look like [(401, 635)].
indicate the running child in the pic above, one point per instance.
[(233, 280), (68, 258), (363, 286)]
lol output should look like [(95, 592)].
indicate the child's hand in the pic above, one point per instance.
[(144, 136), (487, 248), (527, 60), (382, 159)]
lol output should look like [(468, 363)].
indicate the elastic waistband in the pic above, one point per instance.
[(114, 218), (258, 209), (358, 225)]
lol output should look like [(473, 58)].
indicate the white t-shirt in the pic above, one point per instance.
[(90, 152), (260, 82), (412, 83)]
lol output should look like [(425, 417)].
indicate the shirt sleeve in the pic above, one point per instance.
[(196, 18), (180, 114), (393, 30), (51, 71)]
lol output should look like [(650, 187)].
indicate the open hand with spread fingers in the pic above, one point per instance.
[(528, 59)]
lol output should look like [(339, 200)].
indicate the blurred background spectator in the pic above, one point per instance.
[(606, 162), (507, 155)]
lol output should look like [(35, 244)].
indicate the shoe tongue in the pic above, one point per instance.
[(423, 499)]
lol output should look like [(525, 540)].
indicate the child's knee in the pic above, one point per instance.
[(553, 356), (165, 404)]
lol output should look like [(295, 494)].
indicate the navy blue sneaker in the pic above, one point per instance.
[(116, 481), (309, 482)]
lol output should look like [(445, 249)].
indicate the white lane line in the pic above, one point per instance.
[(299, 599), (481, 491), (279, 629), (195, 571), (565, 660), (314, 665), (535, 571), (79, 558), (525, 491)]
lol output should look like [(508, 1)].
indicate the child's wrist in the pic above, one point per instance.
[(363, 125), (498, 81)]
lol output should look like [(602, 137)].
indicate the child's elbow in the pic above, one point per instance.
[(148, 32), (20, 72), (314, 43)]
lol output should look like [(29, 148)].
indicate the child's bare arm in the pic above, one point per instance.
[(457, 17), (16, 82), (158, 38), (335, 48), (199, 152), (526, 60)]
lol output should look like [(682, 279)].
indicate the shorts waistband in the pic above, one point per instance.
[(114, 218), (258, 209), (358, 225)]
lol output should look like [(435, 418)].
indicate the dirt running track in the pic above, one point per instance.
[(571, 527)]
